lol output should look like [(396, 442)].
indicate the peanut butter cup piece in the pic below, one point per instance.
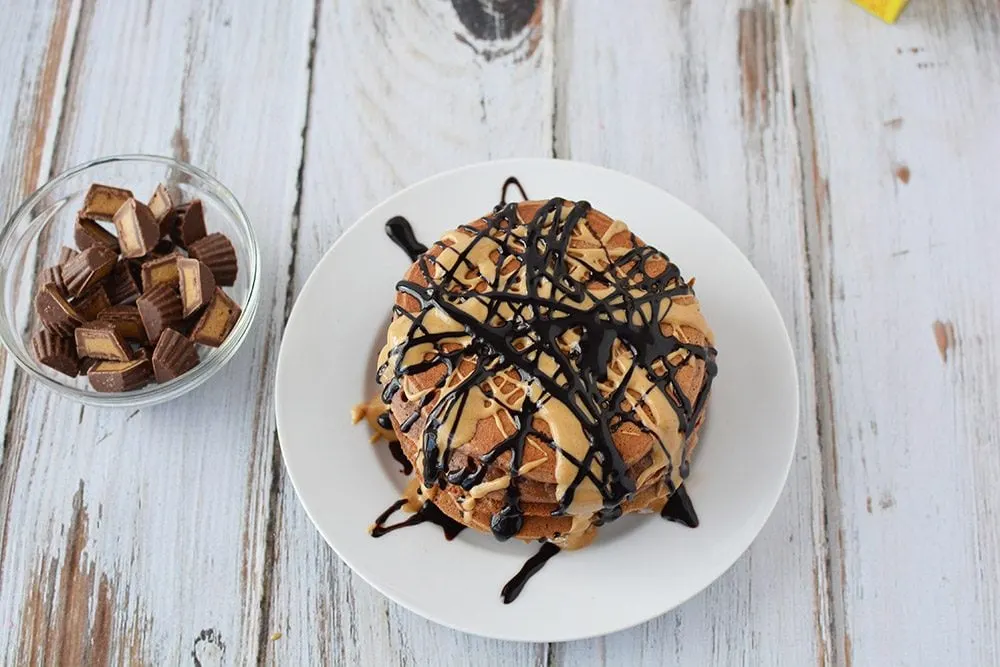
[(126, 321), (56, 352), (216, 252), (160, 204), (217, 321), (66, 253), (90, 304), (159, 308), (160, 271), (197, 284), (119, 376), (52, 275), (174, 355), (55, 312), (88, 233), (188, 224), (138, 230), (100, 340), (103, 201), (87, 268), (121, 284)]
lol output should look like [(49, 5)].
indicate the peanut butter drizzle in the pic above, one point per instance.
[(371, 412), (546, 320)]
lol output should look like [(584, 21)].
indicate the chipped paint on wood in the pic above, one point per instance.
[(49, 87), (757, 51), (944, 338), (72, 608), (890, 256), (902, 173)]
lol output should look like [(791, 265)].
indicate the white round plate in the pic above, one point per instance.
[(640, 566)]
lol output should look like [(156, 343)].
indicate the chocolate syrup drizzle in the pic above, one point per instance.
[(513, 587), (399, 230), (511, 180), (395, 449), (428, 513), (617, 316), (679, 508), (399, 457)]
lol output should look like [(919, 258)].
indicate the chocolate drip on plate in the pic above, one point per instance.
[(399, 230), (679, 508), (428, 513), (513, 587)]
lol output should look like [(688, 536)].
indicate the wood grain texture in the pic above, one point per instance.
[(400, 92), (33, 69), (852, 161), (705, 111), (138, 536), (900, 136)]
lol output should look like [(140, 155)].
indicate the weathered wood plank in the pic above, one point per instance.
[(33, 68), (400, 91), (900, 137), (694, 97), (147, 528)]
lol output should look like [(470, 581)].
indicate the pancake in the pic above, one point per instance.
[(545, 372)]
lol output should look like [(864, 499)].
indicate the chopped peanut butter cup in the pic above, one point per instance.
[(217, 253)]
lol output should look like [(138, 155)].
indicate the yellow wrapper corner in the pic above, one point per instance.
[(887, 10)]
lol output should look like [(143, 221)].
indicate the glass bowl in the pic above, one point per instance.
[(34, 234)]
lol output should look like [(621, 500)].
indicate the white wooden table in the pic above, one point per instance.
[(854, 162)]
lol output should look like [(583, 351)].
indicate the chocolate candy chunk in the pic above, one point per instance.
[(138, 230), (159, 308), (66, 253), (160, 204), (121, 284), (86, 363), (118, 376), (162, 248), (197, 284), (52, 275), (55, 352), (87, 268), (100, 340), (217, 321), (90, 304), (160, 271), (218, 254), (55, 312), (188, 224), (174, 355), (88, 233), (103, 201), (126, 321)]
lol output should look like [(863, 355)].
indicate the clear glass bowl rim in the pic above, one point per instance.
[(153, 393)]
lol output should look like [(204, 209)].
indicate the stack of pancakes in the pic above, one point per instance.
[(647, 429)]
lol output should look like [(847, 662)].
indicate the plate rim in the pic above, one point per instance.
[(787, 347)]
